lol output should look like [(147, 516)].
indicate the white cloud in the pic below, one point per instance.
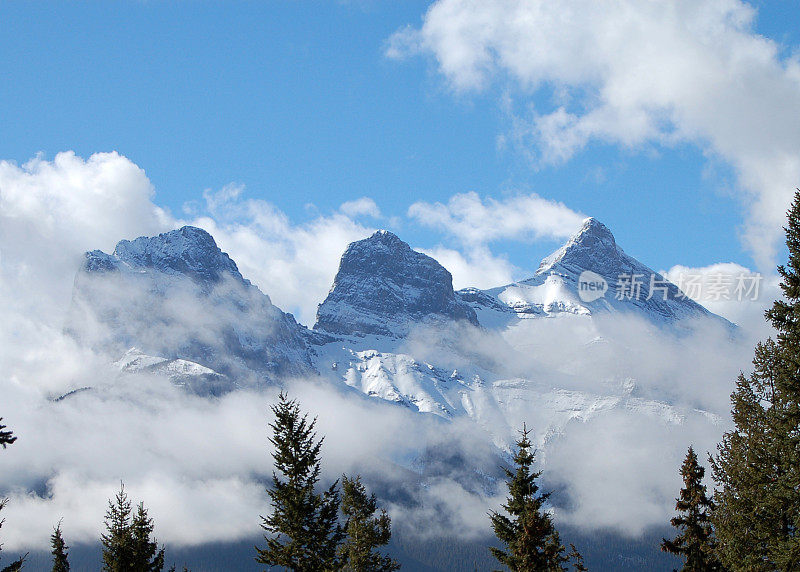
[(478, 268), (635, 72), (292, 263), (364, 206), (53, 211), (476, 221), (730, 290)]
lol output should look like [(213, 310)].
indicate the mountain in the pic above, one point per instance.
[(494, 365), (384, 287), (187, 252), (391, 328), (589, 275), (177, 295)]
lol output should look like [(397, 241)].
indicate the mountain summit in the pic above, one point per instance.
[(190, 251), (591, 248), (383, 287), (177, 295), (592, 259)]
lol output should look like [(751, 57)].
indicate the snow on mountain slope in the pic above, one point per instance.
[(384, 287), (387, 371), (458, 368), (391, 328), (497, 404), (567, 281), (192, 376), (178, 295)]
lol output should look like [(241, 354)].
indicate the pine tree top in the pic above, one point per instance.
[(127, 543), (6, 437), (303, 529), (60, 551), (695, 540), (784, 314), (527, 530)]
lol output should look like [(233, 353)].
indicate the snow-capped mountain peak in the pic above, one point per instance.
[(177, 295), (187, 251), (592, 245), (617, 282)]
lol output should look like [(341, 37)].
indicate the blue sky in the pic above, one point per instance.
[(301, 104)]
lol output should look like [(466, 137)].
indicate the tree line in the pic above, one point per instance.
[(749, 522), (312, 530)]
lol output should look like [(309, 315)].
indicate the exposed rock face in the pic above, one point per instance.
[(384, 287), (188, 251), (178, 295)]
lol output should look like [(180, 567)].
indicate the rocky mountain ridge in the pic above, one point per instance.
[(391, 328)]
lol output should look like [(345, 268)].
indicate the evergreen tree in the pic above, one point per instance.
[(303, 532), (365, 531), (577, 559), (127, 545), (695, 540), (757, 466), (60, 551), (117, 541), (6, 437), (147, 556), (532, 542)]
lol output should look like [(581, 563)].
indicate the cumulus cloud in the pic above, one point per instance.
[(633, 73), (53, 211), (730, 290), (363, 206), (293, 263), (477, 267), (477, 221)]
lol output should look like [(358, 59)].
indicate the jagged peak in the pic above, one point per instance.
[(593, 227), (383, 285), (384, 237), (188, 250), (181, 239), (593, 239)]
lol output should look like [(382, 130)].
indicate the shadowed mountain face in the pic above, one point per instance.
[(384, 287), (177, 295)]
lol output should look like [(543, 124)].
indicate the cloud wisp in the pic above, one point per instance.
[(633, 73), (475, 221)]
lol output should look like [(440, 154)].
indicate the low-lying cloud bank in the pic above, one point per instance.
[(200, 465)]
